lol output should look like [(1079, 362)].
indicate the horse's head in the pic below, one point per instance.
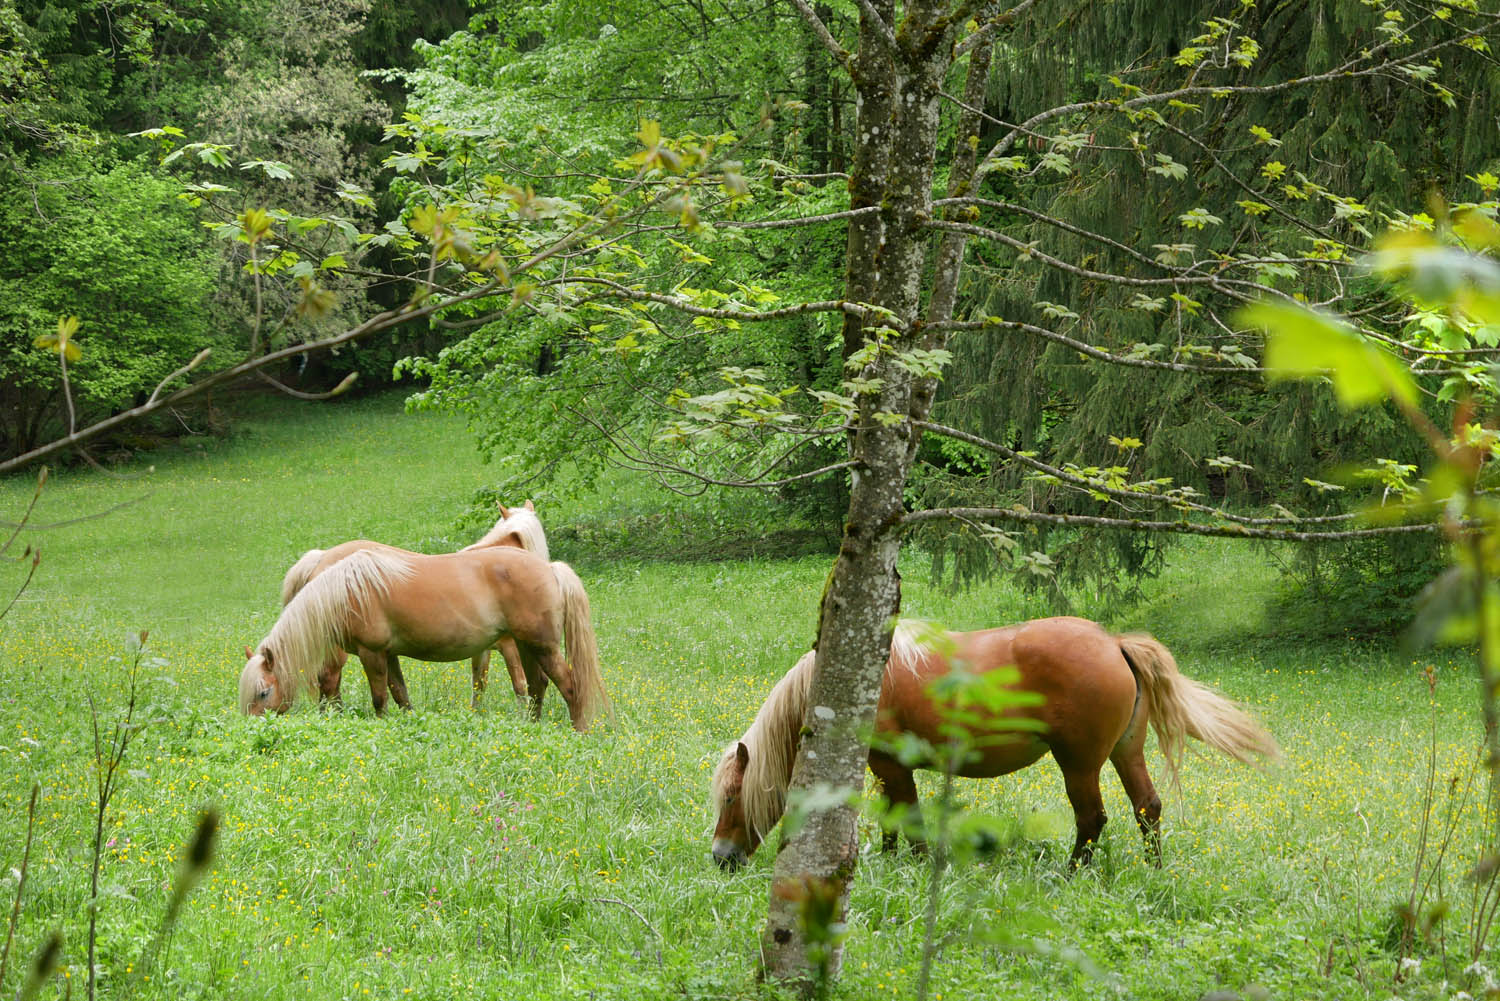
[(735, 839), (505, 512), (260, 693)]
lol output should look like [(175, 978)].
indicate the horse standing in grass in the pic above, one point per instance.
[(382, 605), (1099, 692), (518, 527)]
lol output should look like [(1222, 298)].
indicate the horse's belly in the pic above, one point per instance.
[(1013, 753), (457, 637)]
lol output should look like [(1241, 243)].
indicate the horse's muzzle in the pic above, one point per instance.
[(728, 855)]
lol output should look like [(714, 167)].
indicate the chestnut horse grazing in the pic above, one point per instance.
[(518, 527), (1099, 692), (382, 605)]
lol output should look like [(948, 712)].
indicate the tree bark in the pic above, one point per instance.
[(897, 91)]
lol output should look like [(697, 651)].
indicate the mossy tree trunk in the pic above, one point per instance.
[(898, 72)]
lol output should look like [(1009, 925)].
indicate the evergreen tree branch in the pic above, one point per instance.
[(1345, 72)]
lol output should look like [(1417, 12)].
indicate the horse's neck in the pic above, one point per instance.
[(779, 732)]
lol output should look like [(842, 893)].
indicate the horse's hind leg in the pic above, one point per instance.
[(1129, 760), (536, 678), (1088, 813), (552, 664), (901, 793)]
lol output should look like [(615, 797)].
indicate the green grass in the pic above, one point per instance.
[(444, 852)]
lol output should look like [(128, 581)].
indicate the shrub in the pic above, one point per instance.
[(116, 248)]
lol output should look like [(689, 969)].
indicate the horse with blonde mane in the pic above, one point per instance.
[(1098, 694), (518, 528), (381, 605)]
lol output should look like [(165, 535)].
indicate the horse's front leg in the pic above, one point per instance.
[(480, 668), (536, 678), (330, 680), (901, 793), (375, 674), (398, 681)]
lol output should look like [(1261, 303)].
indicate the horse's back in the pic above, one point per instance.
[(453, 599), (1088, 691)]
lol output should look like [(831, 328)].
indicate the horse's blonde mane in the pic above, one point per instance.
[(299, 574), (772, 742), (907, 648), (773, 738), (312, 625), (524, 524)]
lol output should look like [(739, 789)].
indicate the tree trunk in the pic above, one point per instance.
[(897, 92)]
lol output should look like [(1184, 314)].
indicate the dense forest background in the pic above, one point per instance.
[(349, 114)]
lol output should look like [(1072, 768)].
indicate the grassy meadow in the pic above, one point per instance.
[(443, 852)]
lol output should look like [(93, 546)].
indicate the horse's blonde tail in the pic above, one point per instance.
[(583, 648), (297, 577), (1179, 707)]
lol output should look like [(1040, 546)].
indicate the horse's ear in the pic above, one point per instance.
[(249, 653), (529, 506), (504, 511), (266, 659), (741, 755)]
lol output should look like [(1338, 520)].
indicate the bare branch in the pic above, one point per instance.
[(632, 910), (882, 28), (821, 30), (198, 359), (49, 526), (298, 394), (1004, 19), (1027, 517), (1085, 484), (380, 321), (41, 480), (36, 558), (1090, 350), (743, 316)]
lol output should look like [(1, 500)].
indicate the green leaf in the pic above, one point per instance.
[(1197, 218), (1305, 343), (1263, 135), (1168, 167)]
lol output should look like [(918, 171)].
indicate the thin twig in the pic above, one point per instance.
[(15, 911), (632, 910)]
